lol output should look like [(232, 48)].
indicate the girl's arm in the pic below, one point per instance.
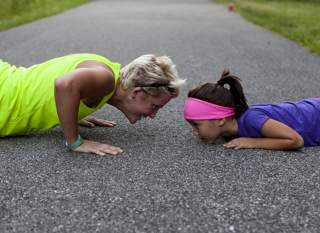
[(82, 84), (277, 136)]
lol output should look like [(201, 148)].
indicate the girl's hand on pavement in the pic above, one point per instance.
[(239, 143), (98, 148), (93, 121)]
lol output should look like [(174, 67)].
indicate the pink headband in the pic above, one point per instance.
[(196, 109)]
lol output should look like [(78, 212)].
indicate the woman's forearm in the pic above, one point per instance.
[(67, 103)]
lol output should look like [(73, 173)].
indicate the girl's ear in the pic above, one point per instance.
[(222, 122)]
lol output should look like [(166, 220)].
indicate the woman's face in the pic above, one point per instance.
[(141, 105)]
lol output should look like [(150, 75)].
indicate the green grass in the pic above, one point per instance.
[(298, 20), (15, 12)]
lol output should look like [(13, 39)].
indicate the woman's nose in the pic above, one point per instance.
[(153, 114)]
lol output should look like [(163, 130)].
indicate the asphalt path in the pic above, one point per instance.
[(165, 181)]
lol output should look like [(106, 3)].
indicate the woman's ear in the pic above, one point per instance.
[(134, 92)]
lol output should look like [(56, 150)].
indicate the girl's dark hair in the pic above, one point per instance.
[(217, 93)]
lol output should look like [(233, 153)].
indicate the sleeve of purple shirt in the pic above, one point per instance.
[(251, 122)]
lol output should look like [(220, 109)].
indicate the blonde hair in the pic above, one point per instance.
[(155, 75)]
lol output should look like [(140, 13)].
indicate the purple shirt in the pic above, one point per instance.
[(302, 116)]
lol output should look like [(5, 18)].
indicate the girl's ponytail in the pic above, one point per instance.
[(236, 91), (217, 93)]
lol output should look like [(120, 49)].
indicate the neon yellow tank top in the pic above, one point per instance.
[(27, 102)]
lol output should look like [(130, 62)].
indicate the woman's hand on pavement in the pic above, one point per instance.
[(98, 148), (91, 121)]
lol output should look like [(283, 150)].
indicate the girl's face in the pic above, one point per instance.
[(207, 130)]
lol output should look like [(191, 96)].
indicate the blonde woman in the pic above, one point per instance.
[(66, 90)]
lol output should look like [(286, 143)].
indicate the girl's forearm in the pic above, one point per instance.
[(275, 143), (278, 136), (265, 143)]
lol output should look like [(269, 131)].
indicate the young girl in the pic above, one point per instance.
[(214, 110)]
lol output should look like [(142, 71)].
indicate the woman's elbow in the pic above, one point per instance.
[(61, 85), (58, 83)]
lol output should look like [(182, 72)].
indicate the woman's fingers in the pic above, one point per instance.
[(98, 152), (105, 123), (86, 123), (98, 148), (93, 121), (105, 148)]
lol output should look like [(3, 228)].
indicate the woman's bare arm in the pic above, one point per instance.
[(87, 84), (83, 83)]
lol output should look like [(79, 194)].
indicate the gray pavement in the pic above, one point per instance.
[(165, 181)]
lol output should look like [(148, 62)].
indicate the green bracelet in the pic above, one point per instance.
[(76, 144)]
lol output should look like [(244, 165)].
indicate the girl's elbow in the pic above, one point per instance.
[(297, 142), (301, 143)]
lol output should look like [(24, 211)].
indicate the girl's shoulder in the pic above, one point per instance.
[(251, 122)]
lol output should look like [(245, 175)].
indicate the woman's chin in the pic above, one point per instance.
[(133, 120)]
